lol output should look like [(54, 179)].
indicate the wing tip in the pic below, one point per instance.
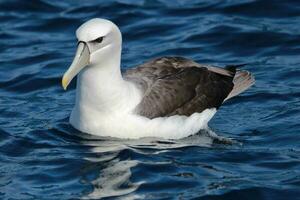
[(242, 80)]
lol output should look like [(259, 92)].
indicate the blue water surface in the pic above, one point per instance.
[(43, 157)]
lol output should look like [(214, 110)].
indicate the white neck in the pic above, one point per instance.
[(101, 88)]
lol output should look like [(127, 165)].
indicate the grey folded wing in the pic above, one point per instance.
[(178, 86)]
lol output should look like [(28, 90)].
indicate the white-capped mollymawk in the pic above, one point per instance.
[(168, 97)]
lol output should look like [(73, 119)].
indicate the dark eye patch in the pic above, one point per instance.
[(98, 40)]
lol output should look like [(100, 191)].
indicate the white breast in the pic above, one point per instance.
[(134, 126)]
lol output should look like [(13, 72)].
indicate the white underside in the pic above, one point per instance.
[(134, 126)]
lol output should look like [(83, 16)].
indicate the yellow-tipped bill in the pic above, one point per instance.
[(81, 59)]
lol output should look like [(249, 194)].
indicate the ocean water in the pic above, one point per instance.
[(43, 157)]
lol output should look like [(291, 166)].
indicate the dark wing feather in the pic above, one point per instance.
[(178, 86)]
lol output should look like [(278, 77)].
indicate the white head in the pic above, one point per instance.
[(97, 40)]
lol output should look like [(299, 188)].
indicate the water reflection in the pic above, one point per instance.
[(114, 180), (118, 158)]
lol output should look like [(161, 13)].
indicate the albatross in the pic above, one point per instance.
[(167, 97)]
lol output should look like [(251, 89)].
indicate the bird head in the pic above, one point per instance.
[(96, 39)]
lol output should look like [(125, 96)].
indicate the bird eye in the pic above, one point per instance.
[(98, 40)]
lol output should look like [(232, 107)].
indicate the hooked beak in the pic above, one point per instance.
[(81, 59)]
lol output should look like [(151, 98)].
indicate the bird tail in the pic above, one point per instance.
[(242, 81)]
